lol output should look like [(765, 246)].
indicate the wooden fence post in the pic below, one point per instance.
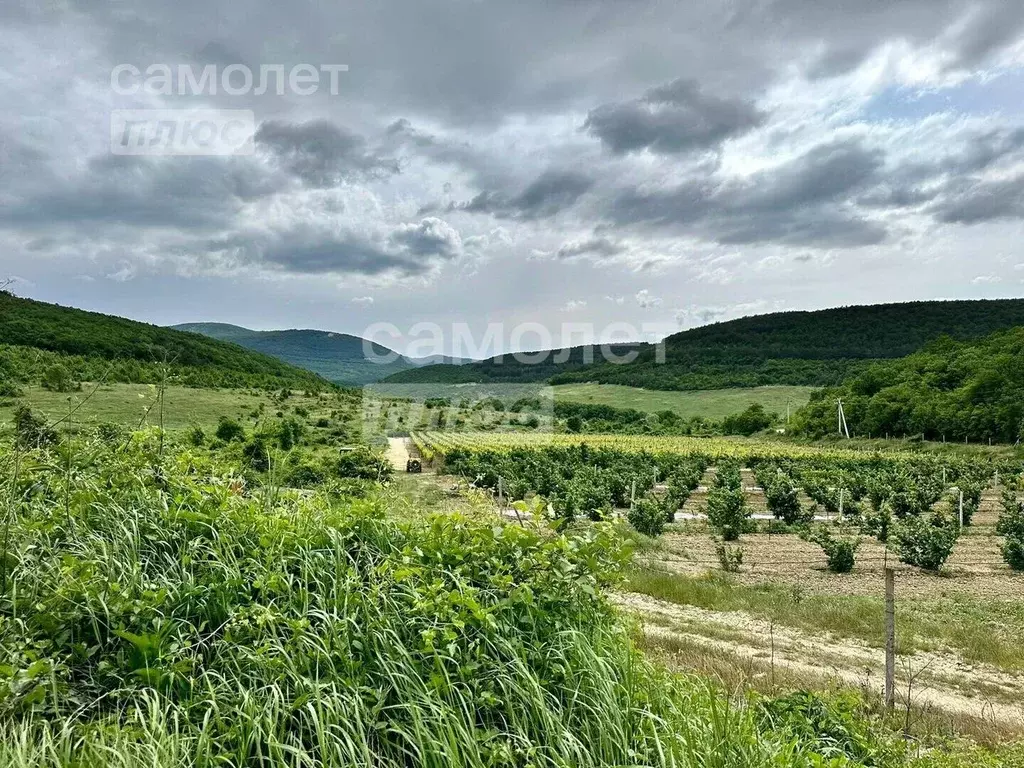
[(890, 639)]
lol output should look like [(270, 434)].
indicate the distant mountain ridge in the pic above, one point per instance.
[(812, 348), (93, 346), (337, 357)]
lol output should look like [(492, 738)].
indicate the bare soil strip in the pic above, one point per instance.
[(937, 681)]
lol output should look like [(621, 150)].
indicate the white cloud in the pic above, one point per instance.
[(363, 300), (646, 301)]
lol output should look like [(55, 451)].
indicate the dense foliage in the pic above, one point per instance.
[(36, 337), (819, 348), (580, 481), (596, 418), (950, 390), (1011, 527), (156, 610), (896, 498), (925, 540)]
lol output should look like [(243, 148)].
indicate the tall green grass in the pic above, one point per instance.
[(157, 613)]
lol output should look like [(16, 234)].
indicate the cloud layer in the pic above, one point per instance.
[(523, 158)]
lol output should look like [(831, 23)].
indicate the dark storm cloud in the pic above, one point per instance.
[(307, 250), (671, 119), (339, 255), (800, 203), (826, 173), (983, 201), (551, 193), (191, 193), (991, 27), (320, 153), (408, 250)]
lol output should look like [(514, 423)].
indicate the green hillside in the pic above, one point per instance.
[(819, 348), (338, 357), (506, 369), (36, 337), (952, 390)]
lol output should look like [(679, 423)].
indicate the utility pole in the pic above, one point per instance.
[(843, 428)]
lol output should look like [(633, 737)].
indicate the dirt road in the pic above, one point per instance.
[(398, 452)]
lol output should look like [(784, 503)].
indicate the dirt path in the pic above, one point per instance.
[(941, 681), (398, 452)]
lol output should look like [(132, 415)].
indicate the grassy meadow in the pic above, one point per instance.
[(137, 404), (710, 404)]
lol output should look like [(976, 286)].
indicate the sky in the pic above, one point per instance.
[(537, 168)]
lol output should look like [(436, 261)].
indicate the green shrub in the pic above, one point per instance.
[(586, 493), (728, 475), (1013, 552), (753, 419), (57, 378), (730, 558), (839, 551), (289, 433), (727, 511), (9, 388), (196, 437), (229, 430), (32, 430), (1011, 526), (783, 500), (363, 464), (111, 434), (256, 453), (925, 541), (647, 515), (304, 475), (878, 522), (972, 500)]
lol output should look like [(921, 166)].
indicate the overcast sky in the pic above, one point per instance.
[(557, 161)]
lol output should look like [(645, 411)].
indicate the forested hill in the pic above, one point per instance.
[(817, 348), (506, 369), (339, 357), (950, 390), (35, 336)]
